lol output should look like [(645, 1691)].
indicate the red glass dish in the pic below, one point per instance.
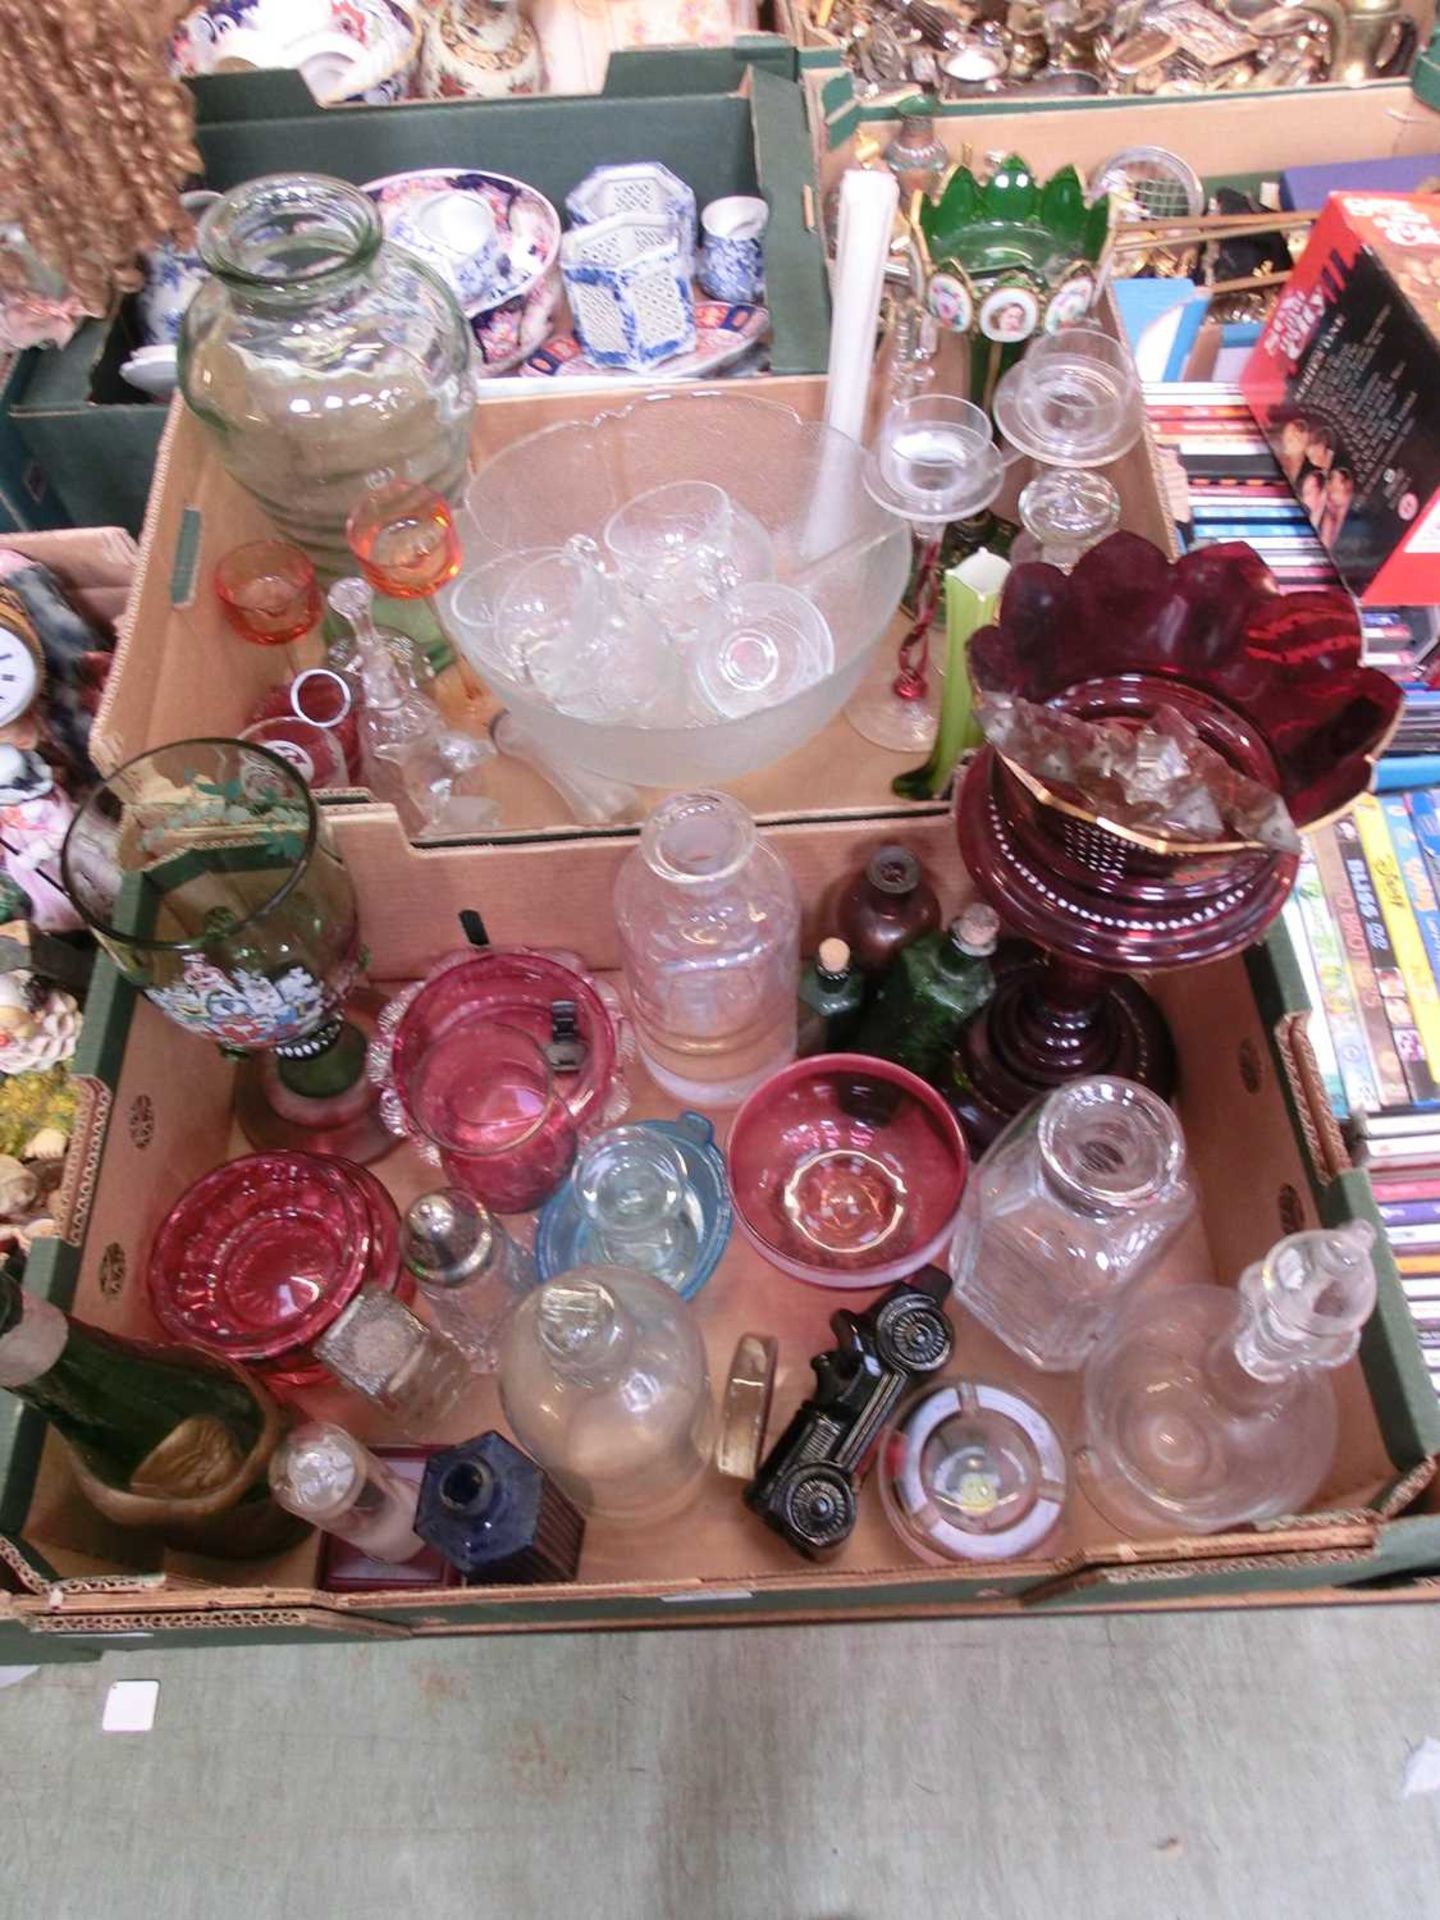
[(268, 592), (257, 1257), (314, 752), (403, 535), (323, 698), (846, 1171)]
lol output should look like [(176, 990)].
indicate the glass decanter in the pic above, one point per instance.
[(932, 989), (603, 1381), (709, 920), (884, 907), (1076, 1199), (317, 352), (1208, 1407)]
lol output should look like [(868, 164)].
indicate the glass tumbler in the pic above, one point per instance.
[(631, 1188), (1077, 1198), (487, 1098), (268, 592)]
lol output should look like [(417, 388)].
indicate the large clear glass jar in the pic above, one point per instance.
[(604, 1382), (1076, 1199), (317, 353), (709, 920)]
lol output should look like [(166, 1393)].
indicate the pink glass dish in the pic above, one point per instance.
[(517, 987), (846, 1171), (256, 1258)]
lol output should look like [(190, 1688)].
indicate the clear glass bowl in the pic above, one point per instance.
[(800, 481), (846, 1171)]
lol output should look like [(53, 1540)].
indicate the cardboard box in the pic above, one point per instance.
[(1345, 381), (158, 1113), (97, 440), (181, 671)]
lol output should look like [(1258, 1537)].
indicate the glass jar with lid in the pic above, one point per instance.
[(317, 353), (1077, 1198)]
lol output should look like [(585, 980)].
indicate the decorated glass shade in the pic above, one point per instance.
[(1010, 256), (1272, 699)]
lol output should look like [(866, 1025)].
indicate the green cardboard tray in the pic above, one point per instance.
[(1405, 1550)]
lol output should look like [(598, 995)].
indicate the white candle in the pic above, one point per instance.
[(868, 200)]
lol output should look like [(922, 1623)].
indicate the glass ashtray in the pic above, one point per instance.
[(972, 1472)]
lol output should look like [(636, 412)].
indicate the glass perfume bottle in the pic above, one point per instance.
[(1076, 1199), (709, 920), (930, 991), (631, 1187), (884, 907), (471, 1274), (323, 1475), (832, 1001), (159, 1437), (1208, 1407), (378, 1349), (603, 1381)]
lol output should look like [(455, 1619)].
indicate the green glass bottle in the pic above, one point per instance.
[(160, 1437), (832, 1001), (931, 990)]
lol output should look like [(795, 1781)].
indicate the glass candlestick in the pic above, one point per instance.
[(1064, 513), (322, 1474), (1208, 1407), (934, 460), (268, 592), (403, 535)]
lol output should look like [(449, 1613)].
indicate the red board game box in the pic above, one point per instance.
[(1345, 382)]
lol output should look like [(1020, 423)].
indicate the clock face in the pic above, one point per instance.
[(19, 677)]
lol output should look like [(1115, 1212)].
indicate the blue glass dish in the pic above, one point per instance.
[(562, 1238)]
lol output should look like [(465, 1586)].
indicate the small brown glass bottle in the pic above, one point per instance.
[(881, 910)]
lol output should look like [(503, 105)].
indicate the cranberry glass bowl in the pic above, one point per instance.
[(846, 1171), (257, 1257)]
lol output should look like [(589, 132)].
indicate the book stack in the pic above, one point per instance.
[(1364, 919)]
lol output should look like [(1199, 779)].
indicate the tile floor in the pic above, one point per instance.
[(1089, 1768)]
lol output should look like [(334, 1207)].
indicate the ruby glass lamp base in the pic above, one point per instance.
[(1050, 1020)]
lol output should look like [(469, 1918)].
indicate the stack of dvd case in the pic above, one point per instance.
[(1364, 919)]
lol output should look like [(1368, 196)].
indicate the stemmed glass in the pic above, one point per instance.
[(934, 460), (1074, 404), (207, 873)]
